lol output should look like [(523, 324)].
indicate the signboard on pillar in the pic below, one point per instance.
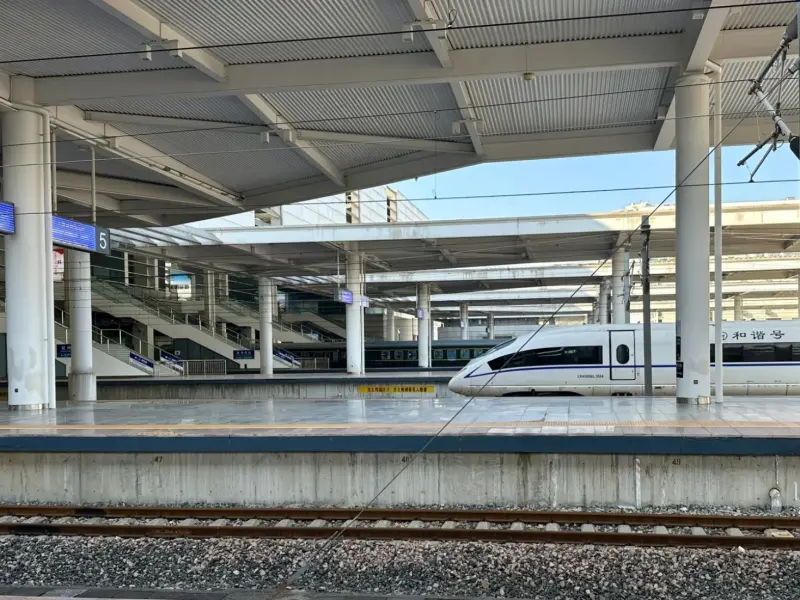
[(80, 236), (64, 350), (365, 301), (58, 264), (7, 223), (344, 296), (244, 354), (420, 313)]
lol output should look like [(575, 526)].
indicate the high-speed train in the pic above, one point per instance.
[(760, 358)]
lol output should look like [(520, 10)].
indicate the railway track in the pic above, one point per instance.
[(634, 529)]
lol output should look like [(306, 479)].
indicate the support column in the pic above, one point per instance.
[(692, 239), (798, 297), (389, 328), (465, 321), (619, 268), (490, 325), (222, 285), (424, 324), (209, 297), (27, 312), (602, 304), (738, 308), (126, 268), (266, 302), (354, 313), (82, 379)]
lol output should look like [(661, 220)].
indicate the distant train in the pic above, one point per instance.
[(760, 358), (445, 354)]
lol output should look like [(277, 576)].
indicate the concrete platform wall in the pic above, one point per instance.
[(352, 479), (193, 390)]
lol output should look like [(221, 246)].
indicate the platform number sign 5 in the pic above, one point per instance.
[(102, 240)]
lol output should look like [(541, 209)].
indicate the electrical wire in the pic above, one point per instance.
[(353, 36)]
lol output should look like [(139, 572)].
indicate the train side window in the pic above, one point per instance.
[(574, 355), (398, 355), (465, 353), (795, 352), (783, 352), (438, 354), (732, 353), (451, 355), (759, 353), (623, 354), (385, 354), (412, 355)]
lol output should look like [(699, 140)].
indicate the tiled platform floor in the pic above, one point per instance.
[(755, 417)]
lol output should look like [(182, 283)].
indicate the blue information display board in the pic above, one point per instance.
[(80, 236), (244, 354), (64, 350), (7, 224), (344, 296)]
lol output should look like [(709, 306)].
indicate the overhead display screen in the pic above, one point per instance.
[(80, 236), (6, 217)]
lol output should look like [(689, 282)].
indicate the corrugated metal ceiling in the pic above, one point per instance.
[(568, 101), (240, 162), (770, 15), (416, 111), (488, 12), (53, 28), (236, 21), (348, 156), (214, 108)]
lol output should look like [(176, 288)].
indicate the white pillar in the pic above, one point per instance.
[(82, 379), (210, 301), (618, 269), (26, 258), (602, 304), (389, 329), (490, 325), (798, 297), (465, 321), (738, 308), (692, 239), (126, 268), (266, 301), (424, 325), (354, 313)]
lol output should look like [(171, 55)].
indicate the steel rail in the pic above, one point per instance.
[(404, 533), (408, 514)]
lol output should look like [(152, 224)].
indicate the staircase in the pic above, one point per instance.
[(293, 332), (131, 302)]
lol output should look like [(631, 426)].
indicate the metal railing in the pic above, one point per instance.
[(244, 310), (164, 310), (203, 368), (319, 364)]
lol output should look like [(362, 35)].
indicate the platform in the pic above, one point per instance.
[(745, 426), (341, 452)]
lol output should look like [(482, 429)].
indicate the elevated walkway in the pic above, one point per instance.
[(118, 301)]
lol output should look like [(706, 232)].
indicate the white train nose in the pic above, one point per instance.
[(456, 384)]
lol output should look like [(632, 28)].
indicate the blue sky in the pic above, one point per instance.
[(586, 173)]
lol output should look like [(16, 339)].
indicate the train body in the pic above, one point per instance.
[(445, 354), (760, 358)]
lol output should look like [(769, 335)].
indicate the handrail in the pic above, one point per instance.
[(162, 310)]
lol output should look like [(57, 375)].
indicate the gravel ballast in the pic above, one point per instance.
[(404, 568)]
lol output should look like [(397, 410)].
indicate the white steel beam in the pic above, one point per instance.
[(83, 199), (701, 42), (134, 190), (425, 12), (70, 120), (152, 28), (302, 134), (398, 69), (269, 115)]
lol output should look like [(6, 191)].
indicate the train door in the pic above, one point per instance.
[(622, 347)]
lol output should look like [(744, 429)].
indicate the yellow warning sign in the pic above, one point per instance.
[(395, 389)]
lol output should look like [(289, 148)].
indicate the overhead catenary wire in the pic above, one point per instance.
[(451, 27)]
